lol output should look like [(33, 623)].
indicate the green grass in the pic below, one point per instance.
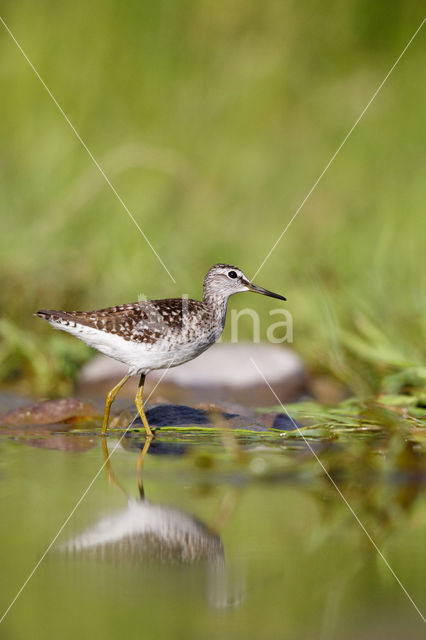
[(213, 120)]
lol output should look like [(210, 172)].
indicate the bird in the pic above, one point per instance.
[(150, 530), (156, 334)]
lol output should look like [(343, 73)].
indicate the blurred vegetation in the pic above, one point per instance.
[(213, 120)]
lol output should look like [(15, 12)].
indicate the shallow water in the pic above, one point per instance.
[(259, 547)]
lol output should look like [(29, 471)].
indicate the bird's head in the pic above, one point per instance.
[(223, 280)]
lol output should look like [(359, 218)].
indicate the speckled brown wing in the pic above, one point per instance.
[(145, 321)]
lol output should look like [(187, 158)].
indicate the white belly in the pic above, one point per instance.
[(141, 357)]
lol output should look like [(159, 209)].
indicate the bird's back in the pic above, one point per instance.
[(146, 321)]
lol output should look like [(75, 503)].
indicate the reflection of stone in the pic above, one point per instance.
[(146, 531), (224, 372), (60, 442)]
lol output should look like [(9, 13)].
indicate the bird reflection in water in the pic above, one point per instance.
[(148, 532)]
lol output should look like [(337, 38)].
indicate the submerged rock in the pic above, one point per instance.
[(279, 421), (174, 415), (225, 373)]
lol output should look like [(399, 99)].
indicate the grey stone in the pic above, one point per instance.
[(224, 373)]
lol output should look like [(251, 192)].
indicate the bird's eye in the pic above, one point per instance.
[(232, 274)]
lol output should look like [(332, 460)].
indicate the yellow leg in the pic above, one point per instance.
[(109, 472), (139, 406), (139, 466), (110, 399)]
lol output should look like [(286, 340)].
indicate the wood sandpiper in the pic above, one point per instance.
[(157, 334)]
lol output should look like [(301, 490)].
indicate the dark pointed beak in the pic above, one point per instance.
[(264, 292)]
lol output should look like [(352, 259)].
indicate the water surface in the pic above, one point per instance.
[(200, 545)]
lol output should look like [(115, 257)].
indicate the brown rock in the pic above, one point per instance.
[(49, 412)]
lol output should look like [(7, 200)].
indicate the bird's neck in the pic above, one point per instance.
[(216, 304)]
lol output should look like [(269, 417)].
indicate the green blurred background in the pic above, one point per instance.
[(213, 120)]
